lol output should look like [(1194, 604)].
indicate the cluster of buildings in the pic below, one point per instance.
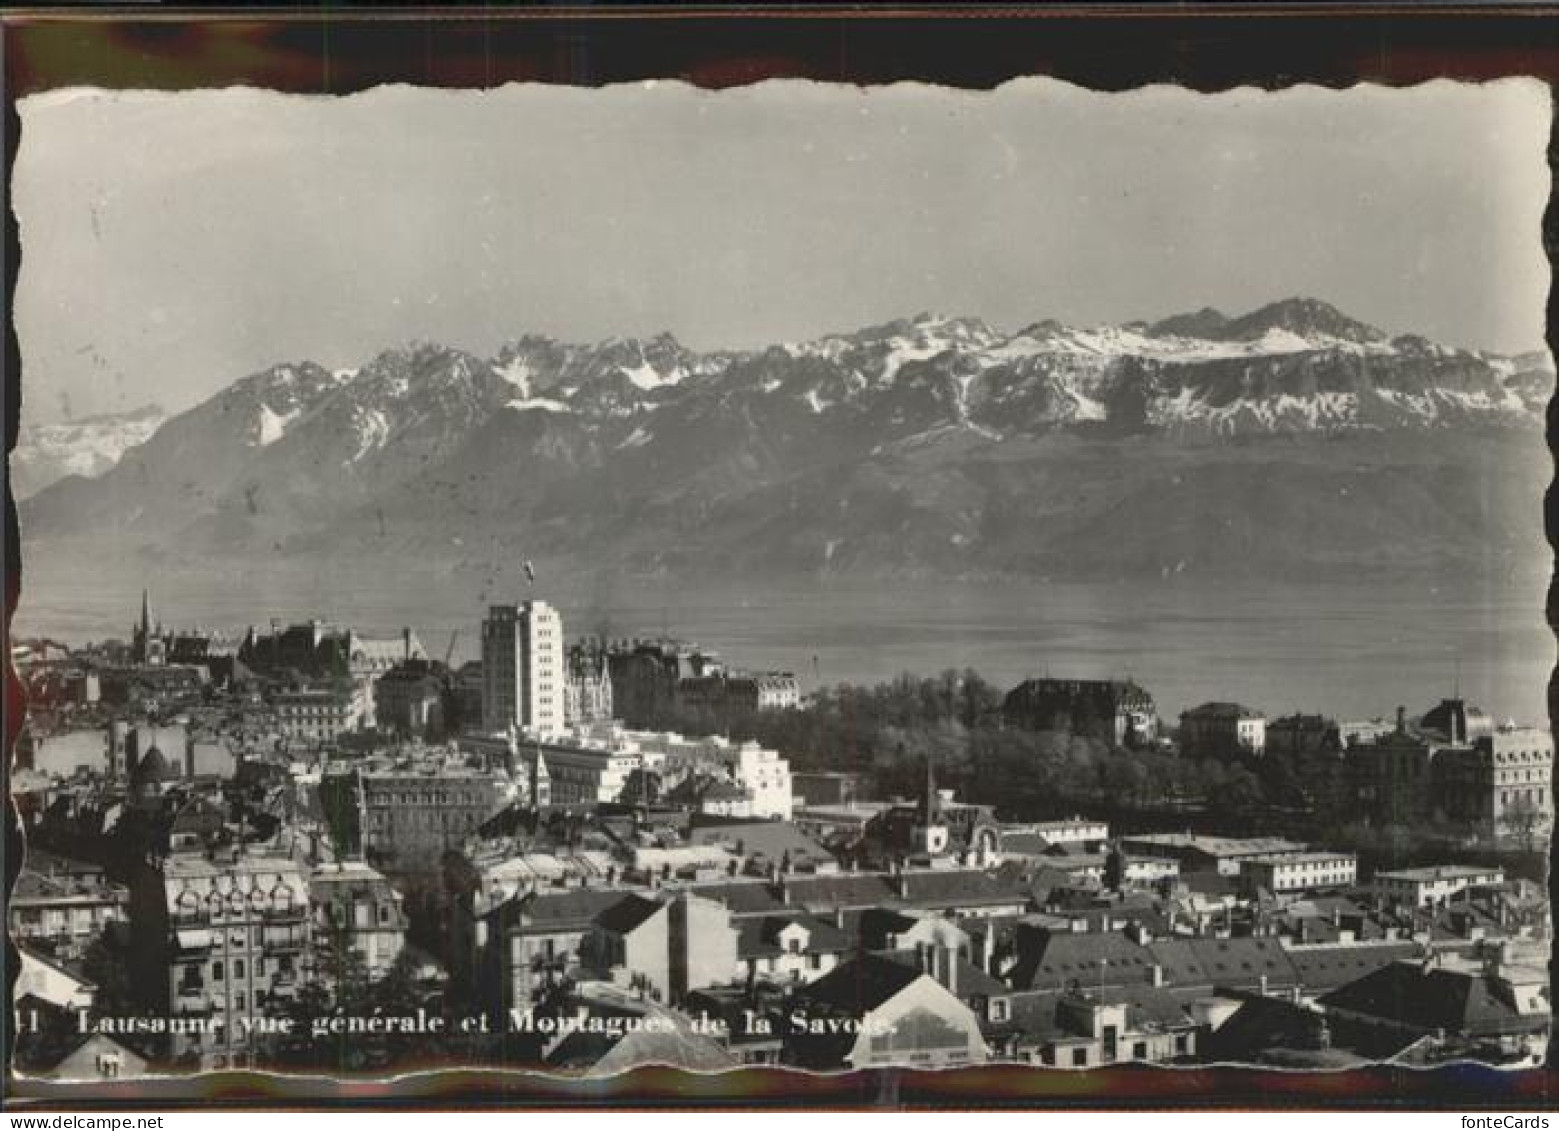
[(1454, 764), (585, 895)]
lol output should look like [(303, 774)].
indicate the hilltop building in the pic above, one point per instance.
[(1117, 711), (1223, 728)]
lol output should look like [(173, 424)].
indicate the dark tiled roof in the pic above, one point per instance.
[(877, 923), (959, 889), (1241, 963), (1259, 1025), (627, 914), (1054, 960), (972, 981), (1429, 1000), (750, 897), (844, 890), (860, 985), (1328, 967), (1179, 961), (759, 938), (564, 910)]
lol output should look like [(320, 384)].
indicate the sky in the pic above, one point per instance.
[(173, 243)]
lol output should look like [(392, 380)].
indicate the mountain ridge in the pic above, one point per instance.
[(948, 438)]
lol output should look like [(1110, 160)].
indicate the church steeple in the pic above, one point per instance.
[(142, 634), (931, 803), (931, 833)]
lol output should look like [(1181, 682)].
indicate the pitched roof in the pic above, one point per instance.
[(759, 938), (546, 912), (844, 890), (962, 888), (1260, 1025), (1328, 967), (972, 981), (153, 767), (1243, 962), (741, 897), (628, 913), (1057, 959), (1450, 1000), (861, 984)]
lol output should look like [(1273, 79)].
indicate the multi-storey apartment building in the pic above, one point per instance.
[(1284, 872), (1500, 784), (1423, 887), (358, 907), (64, 904), (220, 945), (588, 684), (321, 713), (404, 818), (523, 679)]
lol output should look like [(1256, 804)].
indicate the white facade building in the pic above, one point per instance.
[(523, 678), (1422, 887), (1282, 872)]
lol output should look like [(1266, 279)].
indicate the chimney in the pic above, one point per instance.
[(132, 743), (189, 756), (988, 949), (1158, 976), (1262, 985), (944, 966), (406, 642)]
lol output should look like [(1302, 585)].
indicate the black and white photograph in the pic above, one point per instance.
[(807, 576)]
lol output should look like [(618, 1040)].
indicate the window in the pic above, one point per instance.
[(238, 967), (216, 971), (1079, 1058), (1139, 1050)]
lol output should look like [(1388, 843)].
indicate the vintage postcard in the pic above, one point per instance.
[(561, 579)]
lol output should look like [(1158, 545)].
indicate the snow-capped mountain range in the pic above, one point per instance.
[(87, 447), (937, 431)]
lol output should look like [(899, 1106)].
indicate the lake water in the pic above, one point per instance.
[(1353, 651)]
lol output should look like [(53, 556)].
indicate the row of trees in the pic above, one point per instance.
[(888, 731)]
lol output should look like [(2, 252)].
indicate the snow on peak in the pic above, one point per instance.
[(645, 376), (271, 425), (518, 373), (545, 404)]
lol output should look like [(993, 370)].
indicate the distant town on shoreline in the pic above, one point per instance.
[(584, 854)]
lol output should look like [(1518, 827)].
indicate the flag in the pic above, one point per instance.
[(530, 572)]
